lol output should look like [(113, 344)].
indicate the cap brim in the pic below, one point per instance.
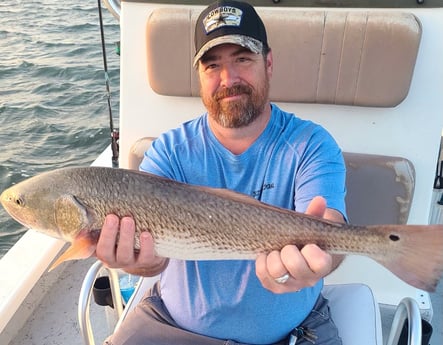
[(250, 43)]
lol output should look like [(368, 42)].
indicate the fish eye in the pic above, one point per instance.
[(19, 201)]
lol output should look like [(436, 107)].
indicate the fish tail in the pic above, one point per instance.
[(414, 253)]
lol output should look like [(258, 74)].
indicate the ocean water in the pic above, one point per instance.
[(53, 100)]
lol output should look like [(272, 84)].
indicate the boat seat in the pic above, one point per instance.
[(353, 308), (346, 302)]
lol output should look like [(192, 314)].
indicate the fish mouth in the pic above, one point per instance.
[(10, 202), (3, 198), (14, 204)]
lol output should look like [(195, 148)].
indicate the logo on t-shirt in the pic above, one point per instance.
[(257, 193)]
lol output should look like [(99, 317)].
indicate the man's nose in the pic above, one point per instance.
[(228, 75)]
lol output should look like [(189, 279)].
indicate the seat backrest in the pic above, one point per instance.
[(380, 189), (352, 58)]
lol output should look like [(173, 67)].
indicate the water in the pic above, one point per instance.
[(53, 101)]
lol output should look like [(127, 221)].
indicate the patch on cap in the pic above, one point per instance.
[(222, 16), (229, 21)]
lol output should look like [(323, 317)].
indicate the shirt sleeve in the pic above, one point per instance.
[(322, 172), (157, 160)]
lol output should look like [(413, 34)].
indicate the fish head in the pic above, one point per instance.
[(44, 206)]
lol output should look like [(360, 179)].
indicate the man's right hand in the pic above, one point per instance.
[(115, 248)]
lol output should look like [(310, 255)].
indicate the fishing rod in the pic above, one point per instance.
[(114, 132)]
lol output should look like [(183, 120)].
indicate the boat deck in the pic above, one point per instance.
[(59, 307)]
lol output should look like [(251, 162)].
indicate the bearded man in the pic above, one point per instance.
[(247, 144)]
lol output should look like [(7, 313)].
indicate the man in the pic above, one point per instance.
[(247, 144)]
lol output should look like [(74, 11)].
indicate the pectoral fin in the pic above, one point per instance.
[(82, 247)]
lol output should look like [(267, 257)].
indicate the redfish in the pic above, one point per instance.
[(199, 223)]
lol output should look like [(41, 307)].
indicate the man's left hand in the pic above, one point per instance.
[(304, 267)]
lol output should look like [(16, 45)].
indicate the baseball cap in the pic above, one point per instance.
[(228, 21)]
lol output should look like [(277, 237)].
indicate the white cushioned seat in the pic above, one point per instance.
[(355, 313)]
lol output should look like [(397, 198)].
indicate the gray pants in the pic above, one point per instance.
[(150, 324)]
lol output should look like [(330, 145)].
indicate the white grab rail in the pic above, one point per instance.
[(114, 7), (408, 309), (85, 299)]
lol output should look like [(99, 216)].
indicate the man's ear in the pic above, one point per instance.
[(269, 63)]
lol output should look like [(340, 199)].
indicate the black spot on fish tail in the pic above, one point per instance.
[(394, 237)]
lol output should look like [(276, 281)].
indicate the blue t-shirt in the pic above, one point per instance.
[(291, 162)]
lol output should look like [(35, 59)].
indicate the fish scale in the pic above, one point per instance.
[(200, 223)]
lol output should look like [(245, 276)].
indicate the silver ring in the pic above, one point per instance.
[(283, 279)]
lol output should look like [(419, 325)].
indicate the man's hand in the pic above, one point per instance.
[(305, 267), (115, 248)]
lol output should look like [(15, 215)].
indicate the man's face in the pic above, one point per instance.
[(234, 84)]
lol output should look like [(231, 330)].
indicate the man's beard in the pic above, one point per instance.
[(241, 112)]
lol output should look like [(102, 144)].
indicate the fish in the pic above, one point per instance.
[(190, 222)]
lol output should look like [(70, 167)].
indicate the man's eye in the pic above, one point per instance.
[(243, 59), (211, 66)]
